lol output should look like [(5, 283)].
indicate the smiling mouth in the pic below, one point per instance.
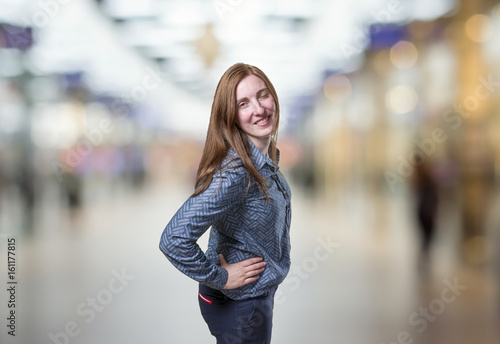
[(263, 121)]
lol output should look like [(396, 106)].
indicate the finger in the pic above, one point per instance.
[(254, 272), (222, 260), (251, 261), (257, 266), (250, 280), (260, 265)]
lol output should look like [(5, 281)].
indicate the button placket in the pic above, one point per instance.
[(281, 187)]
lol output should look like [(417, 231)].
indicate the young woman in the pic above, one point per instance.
[(241, 194)]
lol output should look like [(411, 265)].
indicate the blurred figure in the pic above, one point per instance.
[(426, 193), (135, 173), (71, 187), (477, 181)]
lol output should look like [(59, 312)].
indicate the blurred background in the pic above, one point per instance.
[(389, 137)]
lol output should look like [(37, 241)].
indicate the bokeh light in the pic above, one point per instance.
[(337, 88), (404, 54), (479, 28), (401, 99)]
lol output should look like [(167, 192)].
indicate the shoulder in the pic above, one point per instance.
[(228, 184), (231, 168)]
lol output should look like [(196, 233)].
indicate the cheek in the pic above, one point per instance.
[(243, 117), (269, 104)]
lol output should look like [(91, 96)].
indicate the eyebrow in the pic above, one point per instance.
[(258, 93)]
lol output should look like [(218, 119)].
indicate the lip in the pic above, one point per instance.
[(263, 124)]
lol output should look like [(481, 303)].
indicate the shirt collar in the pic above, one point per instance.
[(259, 160)]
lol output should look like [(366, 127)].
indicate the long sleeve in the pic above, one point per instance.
[(196, 215)]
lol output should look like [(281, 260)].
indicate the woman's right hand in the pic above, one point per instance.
[(243, 272)]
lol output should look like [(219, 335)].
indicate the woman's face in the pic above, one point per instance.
[(255, 106)]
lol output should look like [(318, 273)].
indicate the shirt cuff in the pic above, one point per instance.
[(220, 280)]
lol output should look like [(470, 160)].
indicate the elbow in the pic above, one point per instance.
[(169, 244), (164, 246)]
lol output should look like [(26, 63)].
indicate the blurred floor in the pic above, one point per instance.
[(354, 277)]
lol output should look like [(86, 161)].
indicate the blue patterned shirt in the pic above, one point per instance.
[(244, 225)]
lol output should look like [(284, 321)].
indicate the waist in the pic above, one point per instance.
[(223, 295)]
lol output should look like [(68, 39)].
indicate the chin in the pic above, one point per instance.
[(265, 133)]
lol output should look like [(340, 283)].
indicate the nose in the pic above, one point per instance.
[(257, 108)]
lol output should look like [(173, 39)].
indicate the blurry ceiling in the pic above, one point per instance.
[(192, 42)]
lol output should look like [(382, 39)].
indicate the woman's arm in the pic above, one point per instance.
[(196, 215)]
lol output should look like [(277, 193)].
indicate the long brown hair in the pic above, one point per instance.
[(224, 133)]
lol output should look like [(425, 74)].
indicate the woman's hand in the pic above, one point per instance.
[(243, 272)]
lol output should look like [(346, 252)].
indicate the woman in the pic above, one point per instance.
[(241, 194)]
